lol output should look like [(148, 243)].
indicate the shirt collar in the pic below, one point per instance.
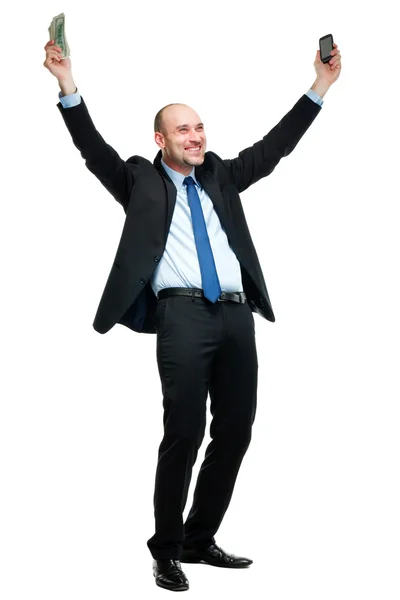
[(178, 178)]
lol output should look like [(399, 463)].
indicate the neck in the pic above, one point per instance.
[(183, 169)]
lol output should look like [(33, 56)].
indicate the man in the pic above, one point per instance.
[(186, 269)]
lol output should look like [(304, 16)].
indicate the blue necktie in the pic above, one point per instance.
[(209, 276)]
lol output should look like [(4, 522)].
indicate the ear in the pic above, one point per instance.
[(159, 139)]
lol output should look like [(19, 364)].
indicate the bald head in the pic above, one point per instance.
[(179, 132), (164, 113)]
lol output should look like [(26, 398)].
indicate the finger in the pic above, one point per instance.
[(53, 56), (54, 53), (335, 60)]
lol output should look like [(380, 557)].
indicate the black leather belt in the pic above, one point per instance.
[(239, 297)]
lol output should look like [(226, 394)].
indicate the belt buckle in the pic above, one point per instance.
[(241, 296)]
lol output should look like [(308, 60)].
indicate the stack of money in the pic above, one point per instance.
[(57, 33)]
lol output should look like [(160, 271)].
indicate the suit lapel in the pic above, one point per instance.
[(208, 181), (169, 188)]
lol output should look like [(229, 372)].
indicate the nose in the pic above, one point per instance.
[(195, 137)]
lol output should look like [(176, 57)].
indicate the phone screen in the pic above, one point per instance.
[(326, 47)]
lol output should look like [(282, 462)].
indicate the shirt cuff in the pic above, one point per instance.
[(70, 99), (314, 96)]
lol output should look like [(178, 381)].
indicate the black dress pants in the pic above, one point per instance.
[(201, 348)]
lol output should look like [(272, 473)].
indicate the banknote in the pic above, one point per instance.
[(57, 33)]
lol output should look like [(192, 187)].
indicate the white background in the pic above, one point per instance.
[(316, 500)]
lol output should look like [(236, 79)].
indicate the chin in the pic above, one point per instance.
[(195, 161)]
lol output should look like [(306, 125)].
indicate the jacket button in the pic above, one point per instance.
[(143, 280), (157, 258)]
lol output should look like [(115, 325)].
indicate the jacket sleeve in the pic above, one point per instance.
[(260, 160), (115, 174)]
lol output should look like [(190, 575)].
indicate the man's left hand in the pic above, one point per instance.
[(330, 71)]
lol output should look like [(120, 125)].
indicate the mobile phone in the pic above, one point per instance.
[(326, 47)]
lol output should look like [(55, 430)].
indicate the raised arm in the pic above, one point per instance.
[(115, 174), (260, 160)]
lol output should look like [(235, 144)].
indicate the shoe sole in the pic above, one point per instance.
[(189, 559), (181, 588)]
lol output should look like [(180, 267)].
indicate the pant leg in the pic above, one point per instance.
[(233, 393), (187, 337)]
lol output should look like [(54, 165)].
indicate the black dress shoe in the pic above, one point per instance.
[(214, 555), (169, 575)]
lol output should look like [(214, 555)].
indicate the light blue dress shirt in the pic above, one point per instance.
[(179, 264)]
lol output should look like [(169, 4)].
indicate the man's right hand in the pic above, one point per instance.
[(59, 67)]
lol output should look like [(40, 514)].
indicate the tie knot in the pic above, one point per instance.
[(188, 181)]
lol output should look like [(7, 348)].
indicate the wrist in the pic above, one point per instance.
[(320, 87), (67, 86)]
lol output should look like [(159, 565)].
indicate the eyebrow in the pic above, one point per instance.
[(198, 125)]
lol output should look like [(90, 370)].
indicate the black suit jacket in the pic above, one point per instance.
[(148, 198)]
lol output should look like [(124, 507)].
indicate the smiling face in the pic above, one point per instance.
[(182, 139)]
